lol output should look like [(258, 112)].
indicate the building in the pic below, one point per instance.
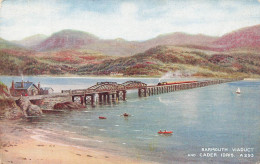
[(46, 91), (24, 88), (116, 74)]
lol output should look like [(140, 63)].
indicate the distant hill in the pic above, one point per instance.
[(248, 37), (71, 39), (31, 41), (66, 39), (179, 38), (4, 44)]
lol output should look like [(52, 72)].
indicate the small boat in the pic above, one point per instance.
[(101, 117), (125, 115), (238, 91), (165, 132)]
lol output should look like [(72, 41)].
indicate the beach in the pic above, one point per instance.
[(19, 146)]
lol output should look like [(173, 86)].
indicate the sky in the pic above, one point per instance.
[(128, 19)]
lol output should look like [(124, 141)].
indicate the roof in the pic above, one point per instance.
[(46, 88), (26, 85)]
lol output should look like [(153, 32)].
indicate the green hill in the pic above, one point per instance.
[(190, 62)]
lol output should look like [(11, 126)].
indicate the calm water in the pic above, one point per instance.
[(209, 117)]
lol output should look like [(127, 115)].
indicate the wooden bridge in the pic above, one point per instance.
[(105, 92)]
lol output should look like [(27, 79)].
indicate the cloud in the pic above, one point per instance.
[(128, 9), (131, 20)]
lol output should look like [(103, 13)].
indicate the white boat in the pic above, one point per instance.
[(238, 91)]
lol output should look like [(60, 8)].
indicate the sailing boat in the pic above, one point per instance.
[(238, 91)]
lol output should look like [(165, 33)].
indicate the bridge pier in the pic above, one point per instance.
[(142, 92), (114, 97), (121, 95), (100, 98), (124, 95), (78, 98), (89, 98), (105, 97), (108, 97)]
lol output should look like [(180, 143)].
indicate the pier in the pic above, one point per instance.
[(106, 92)]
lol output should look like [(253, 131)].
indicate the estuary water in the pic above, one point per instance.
[(209, 124)]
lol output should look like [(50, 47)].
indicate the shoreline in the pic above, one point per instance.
[(20, 145), (122, 77), (251, 79)]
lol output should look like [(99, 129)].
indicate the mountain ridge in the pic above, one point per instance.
[(247, 37)]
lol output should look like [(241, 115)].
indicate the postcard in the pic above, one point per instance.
[(128, 81)]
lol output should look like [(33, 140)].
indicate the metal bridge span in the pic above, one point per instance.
[(105, 92)]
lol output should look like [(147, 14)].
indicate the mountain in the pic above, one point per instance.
[(71, 39), (179, 38), (4, 44), (116, 47), (66, 39), (248, 37), (79, 40), (31, 41)]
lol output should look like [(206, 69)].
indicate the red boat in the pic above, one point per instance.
[(100, 117), (125, 114), (165, 132)]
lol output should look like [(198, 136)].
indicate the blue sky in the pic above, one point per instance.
[(128, 19)]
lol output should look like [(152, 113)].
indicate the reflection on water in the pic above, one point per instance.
[(213, 116)]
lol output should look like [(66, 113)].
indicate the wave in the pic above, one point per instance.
[(137, 130), (145, 138)]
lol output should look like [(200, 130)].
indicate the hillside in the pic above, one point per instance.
[(31, 41), (66, 39), (189, 62), (16, 62), (153, 62), (22, 64), (248, 37), (179, 38), (4, 44), (71, 40), (79, 53)]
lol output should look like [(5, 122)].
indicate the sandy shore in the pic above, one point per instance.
[(18, 146)]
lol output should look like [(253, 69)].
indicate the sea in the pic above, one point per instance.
[(211, 124)]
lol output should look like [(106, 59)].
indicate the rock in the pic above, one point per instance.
[(37, 102), (68, 105), (28, 108), (13, 113), (9, 109), (33, 110)]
